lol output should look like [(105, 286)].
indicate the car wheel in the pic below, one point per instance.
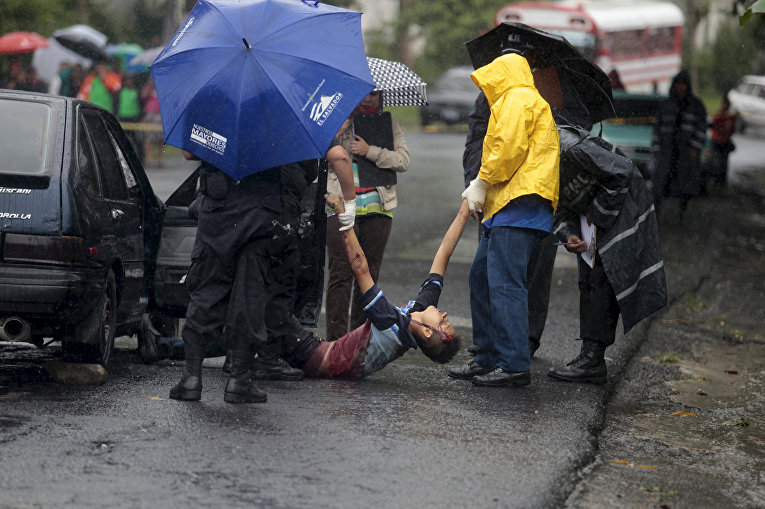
[(92, 340)]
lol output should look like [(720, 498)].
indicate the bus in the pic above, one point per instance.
[(638, 43)]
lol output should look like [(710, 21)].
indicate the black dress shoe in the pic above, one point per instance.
[(274, 368), (502, 378), (469, 371), (472, 350)]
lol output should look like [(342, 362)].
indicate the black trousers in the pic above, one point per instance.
[(229, 275), (598, 308), (281, 291)]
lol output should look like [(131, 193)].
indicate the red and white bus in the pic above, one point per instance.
[(640, 39)]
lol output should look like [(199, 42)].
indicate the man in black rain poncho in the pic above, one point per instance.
[(599, 183)]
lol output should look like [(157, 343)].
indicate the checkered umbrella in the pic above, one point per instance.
[(399, 84)]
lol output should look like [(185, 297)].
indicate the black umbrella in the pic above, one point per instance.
[(591, 83), (83, 40)]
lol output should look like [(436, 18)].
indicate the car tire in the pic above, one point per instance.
[(425, 117), (92, 340)]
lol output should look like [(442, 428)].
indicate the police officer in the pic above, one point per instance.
[(228, 277)]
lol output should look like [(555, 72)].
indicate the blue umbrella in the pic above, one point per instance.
[(247, 85)]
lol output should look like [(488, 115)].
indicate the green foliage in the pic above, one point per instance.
[(42, 16), (446, 26), (717, 70)]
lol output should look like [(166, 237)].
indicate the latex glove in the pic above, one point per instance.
[(348, 217), (475, 193)]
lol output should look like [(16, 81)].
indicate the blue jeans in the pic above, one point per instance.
[(498, 297)]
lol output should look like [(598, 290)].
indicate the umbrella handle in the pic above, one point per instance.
[(311, 3)]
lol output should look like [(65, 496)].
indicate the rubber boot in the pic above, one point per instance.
[(588, 367), (190, 386), (239, 389)]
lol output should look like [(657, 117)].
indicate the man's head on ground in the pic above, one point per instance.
[(434, 334)]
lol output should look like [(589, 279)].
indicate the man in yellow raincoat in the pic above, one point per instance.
[(517, 186)]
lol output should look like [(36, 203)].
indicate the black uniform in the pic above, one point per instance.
[(295, 179), (230, 270)]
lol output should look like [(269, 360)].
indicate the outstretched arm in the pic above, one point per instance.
[(450, 240), (353, 252)]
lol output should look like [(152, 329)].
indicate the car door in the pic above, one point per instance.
[(125, 209)]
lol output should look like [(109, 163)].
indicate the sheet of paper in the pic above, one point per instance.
[(589, 235)]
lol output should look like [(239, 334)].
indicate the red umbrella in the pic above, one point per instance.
[(21, 42)]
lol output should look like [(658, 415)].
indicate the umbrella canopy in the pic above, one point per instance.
[(591, 83), (125, 52), (83, 40), (145, 58), (250, 85), (14, 43), (399, 84)]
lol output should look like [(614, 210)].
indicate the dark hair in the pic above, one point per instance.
[(439, 346)]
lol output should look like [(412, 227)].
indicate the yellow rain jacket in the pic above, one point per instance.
[(521, 152)]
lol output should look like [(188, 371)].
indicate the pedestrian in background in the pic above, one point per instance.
[(153, 138), (101, 86), (723, 126), (373, 224), (517, 186), (129, 111), (678, 139)]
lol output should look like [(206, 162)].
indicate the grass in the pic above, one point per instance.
[(668, 358)]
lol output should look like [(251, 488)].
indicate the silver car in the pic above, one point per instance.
[(748, 98)]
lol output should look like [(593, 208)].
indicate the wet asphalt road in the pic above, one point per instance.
[(407, 436)]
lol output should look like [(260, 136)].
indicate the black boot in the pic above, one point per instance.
[(190, 386), (273, 367), (588, 367), (239, 389), (227, 362)]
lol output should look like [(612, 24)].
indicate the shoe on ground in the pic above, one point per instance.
[(470, 370), (238, 391), (502, 378), (274, 368), (188, 389), (472, 350), (588, 367)]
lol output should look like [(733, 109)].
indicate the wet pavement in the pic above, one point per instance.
[(409, 436)]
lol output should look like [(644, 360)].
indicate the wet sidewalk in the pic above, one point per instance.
[(685, 425)]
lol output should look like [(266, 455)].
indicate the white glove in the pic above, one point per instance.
[(475, 193), (348, 217)]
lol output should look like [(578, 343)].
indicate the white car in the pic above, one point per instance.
[(748, 98)]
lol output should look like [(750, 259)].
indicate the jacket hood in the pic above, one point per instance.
[(681, 77), (502, 74)]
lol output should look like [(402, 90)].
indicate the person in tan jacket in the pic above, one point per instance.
[(373, 219)]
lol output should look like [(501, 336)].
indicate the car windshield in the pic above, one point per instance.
[(25, 140)]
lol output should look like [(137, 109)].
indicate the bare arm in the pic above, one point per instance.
[(341, 164), (353, 252), (450, 240)]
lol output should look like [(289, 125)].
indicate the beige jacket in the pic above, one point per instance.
[(395, 160)]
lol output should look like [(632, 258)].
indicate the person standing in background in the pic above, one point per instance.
[(678, 139), (101, 86), (153, 138), (723, 126), (374, 220)]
